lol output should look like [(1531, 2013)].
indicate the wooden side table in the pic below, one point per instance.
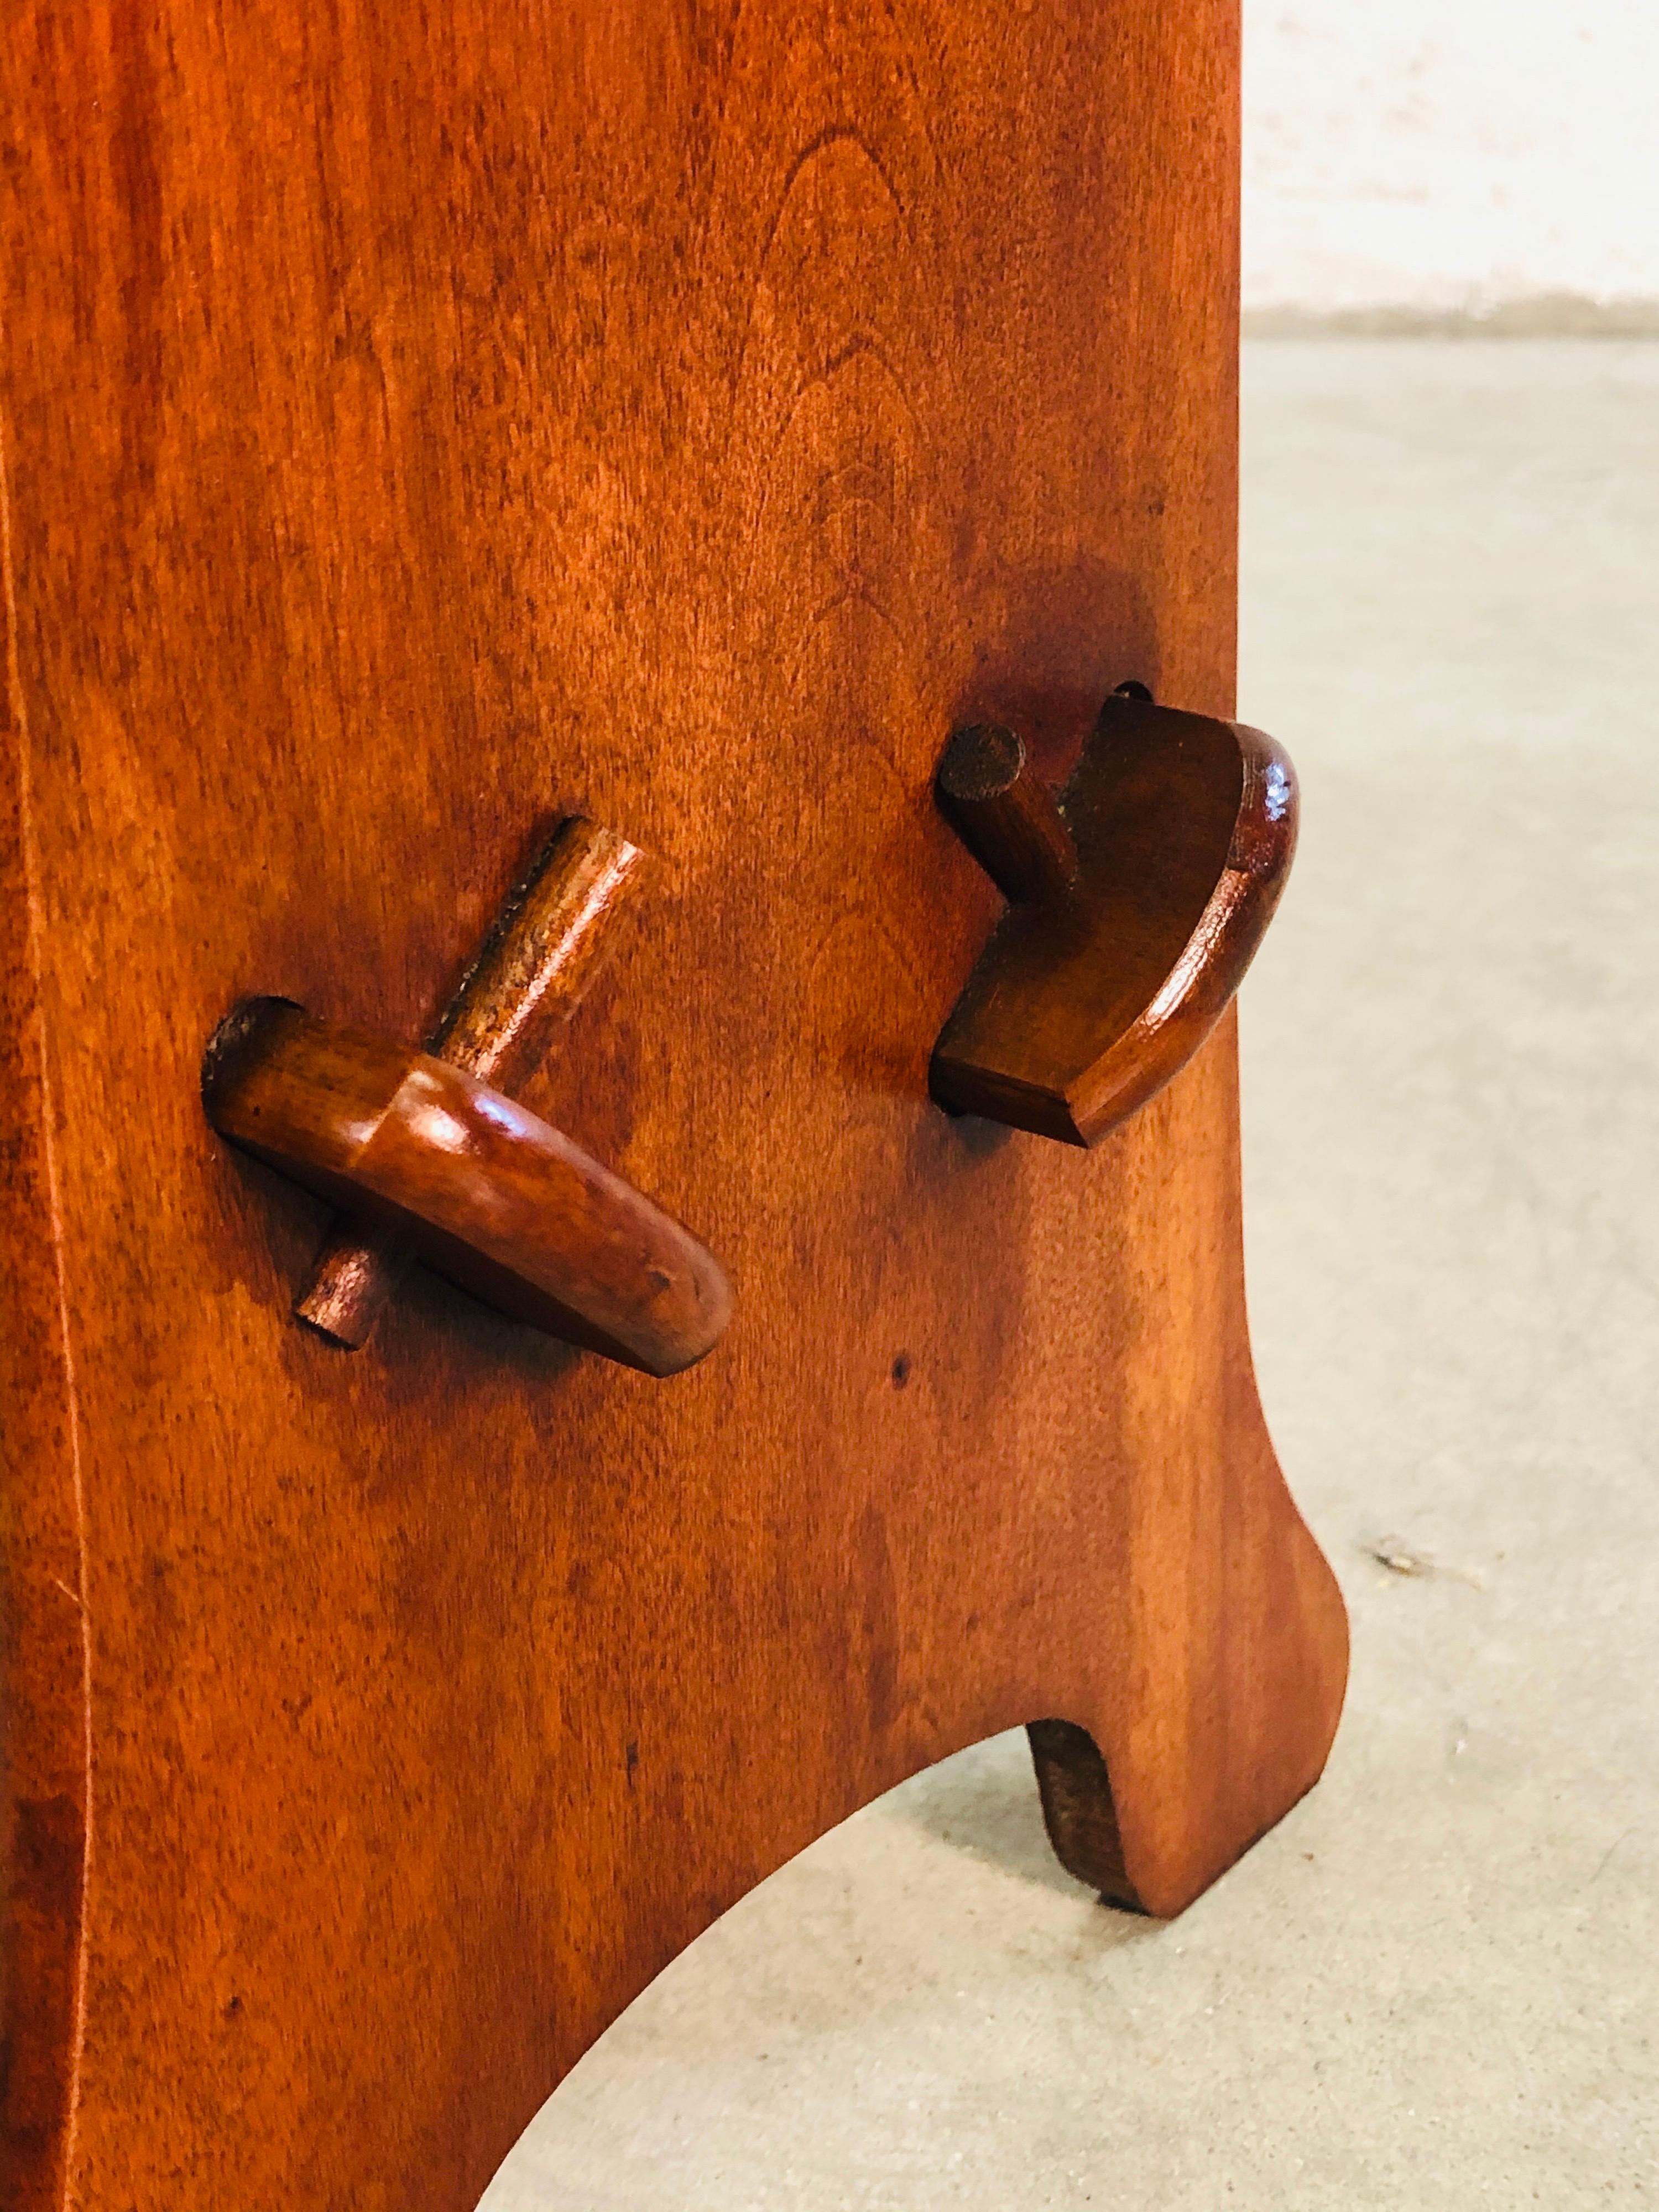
[(423, 427)]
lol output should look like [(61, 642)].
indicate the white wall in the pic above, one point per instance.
[(1449, 153)]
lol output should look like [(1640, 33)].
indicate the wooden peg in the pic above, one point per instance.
[(548, 946), (1006, 814)]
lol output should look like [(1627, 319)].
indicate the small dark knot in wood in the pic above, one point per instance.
[(1006, 815)]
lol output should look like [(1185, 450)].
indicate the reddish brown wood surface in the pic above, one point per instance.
[(1138, 901), (548, 945), (482, 1189), (419, 421)]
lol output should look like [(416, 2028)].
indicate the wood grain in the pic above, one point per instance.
[(1102, 981), (482, 1190), (546, 949), (419, 421)]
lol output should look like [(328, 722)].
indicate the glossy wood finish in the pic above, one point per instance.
[(1137, 904), (548, 946), (419, 424), (476, 1185)]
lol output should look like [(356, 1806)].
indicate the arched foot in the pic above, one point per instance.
[(1200, 1746)]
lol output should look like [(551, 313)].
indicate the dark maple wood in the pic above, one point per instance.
[(419, 421), (480, 1188), (1100, 983), (547, 948)]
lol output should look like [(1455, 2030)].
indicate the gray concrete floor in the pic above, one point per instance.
[(1437, 1983)]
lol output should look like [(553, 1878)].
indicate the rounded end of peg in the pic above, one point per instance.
[(980, 762), (1004, 814)]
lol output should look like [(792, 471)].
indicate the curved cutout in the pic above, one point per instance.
[(849, 1964), (780, 2008)]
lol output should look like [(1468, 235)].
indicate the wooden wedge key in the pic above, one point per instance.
[(1137, 899), (549, 945), (431, 1160)]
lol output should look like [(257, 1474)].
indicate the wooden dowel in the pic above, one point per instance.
[(539, 962), (549, 945), (1006, 815)]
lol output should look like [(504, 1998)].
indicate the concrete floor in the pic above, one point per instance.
[(1437, 1983)]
